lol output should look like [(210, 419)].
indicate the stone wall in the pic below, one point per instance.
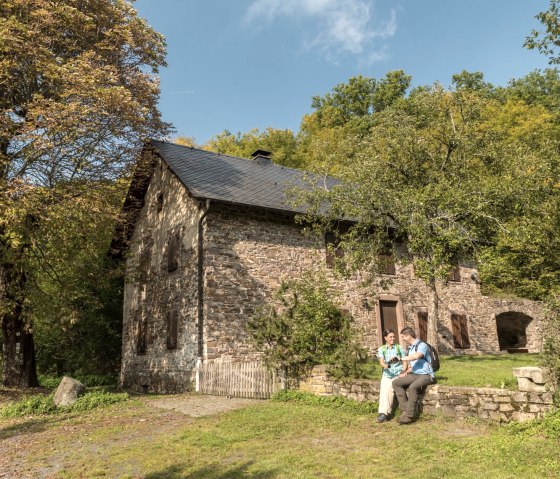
[(486, 403), (249, 252), (151, 291)]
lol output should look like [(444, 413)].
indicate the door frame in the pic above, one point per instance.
[(400, 317)]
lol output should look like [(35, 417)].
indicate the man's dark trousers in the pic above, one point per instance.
[(408, 390)]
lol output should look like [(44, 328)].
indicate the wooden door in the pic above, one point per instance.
[(388, 311)]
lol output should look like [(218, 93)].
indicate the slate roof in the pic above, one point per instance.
[(214, 176)]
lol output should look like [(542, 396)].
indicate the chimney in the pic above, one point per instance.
[(262, 157)]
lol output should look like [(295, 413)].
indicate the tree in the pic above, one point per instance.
[(436, 177), (281, 143), (547, 41), (79, 94)]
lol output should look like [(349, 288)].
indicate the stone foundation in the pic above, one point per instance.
[(486, 403)]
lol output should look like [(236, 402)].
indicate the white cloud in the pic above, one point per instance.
[(340, 26)]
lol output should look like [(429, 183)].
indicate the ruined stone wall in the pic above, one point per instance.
[(248, 253), (151, 291), (455, 401)]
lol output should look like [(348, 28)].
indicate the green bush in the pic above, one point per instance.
[(548, 426), (551, 344), (304, 327), (332, 402), (88, 380), (44, 405)]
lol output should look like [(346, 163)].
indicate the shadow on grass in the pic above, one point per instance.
[(212, 472), (31, 426)]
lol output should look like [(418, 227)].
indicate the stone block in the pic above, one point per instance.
[(526, 384), (521, 397), (503, 399), (536, 374), (523, 416), (536, 398), (68, 392), (490, 406), (506, 408)]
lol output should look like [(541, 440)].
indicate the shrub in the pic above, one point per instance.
[(551, 343), (44, 405), (304, 327), (88, 380)]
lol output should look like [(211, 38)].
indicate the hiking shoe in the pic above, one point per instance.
[(405, 420), (382, 418)]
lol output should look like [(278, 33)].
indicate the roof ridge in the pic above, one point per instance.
[(297, 170)]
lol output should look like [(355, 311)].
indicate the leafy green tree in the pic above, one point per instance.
[(281, 143), (79, 94), (444, 174), (304, 327), (548, 40)]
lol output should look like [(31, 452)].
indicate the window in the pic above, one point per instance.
[(173, 250), (422, 317), (333, 250), (141, 332), (172, 328), (460, 331), (159, 202), (387, 264), (455, 275)]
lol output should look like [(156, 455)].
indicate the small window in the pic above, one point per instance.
[(173, 250), (333, 249), (141, 332), (387, 264), (455, 275), (159, 202), (460, 331), (172, 328), (423, 325)]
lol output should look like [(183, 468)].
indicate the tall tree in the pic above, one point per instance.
[(79, 94), (548, 40), (434, 175)]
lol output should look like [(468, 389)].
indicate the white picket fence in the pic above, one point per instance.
[(236, 379)]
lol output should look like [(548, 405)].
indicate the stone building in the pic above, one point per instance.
[(209, 237)]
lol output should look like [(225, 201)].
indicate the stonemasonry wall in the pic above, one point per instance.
[(248, 253), (486, 403), (151, 291)]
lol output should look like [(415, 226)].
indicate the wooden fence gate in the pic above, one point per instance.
[(236, 379)]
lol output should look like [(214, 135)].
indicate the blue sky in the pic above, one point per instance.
[(242, 64)]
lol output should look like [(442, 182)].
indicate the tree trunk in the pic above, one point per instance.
[(433, 315), (20, 369)]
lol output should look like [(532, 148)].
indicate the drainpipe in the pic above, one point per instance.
[(200, 285)]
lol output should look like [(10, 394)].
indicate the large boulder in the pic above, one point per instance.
[(68, 392)]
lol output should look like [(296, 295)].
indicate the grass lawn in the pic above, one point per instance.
[(268, 440), (485, 370)]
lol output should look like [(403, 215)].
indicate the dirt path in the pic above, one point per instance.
[(198, 405)]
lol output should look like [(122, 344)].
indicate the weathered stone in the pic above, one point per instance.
[(523, 416), (68, 392), (536, 374), (527, 385)]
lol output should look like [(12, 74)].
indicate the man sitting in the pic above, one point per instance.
[(411, 382)]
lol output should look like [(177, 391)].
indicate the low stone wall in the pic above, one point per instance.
[(486, 403)]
